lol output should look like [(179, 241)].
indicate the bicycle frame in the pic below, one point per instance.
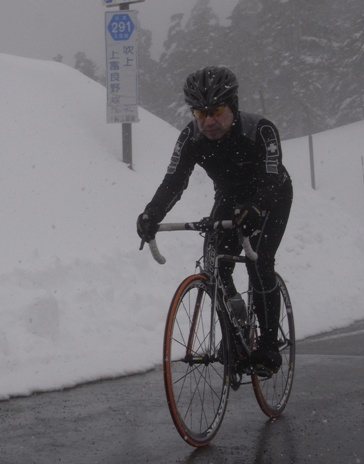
[(212, 261), (211, 264)]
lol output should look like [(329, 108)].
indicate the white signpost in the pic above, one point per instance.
[(121, 38), (121, 66)]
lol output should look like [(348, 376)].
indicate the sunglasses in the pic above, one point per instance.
[(201, 113)]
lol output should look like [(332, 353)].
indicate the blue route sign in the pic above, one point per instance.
[(121, 26)]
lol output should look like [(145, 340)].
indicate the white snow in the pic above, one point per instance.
[(79, 301)]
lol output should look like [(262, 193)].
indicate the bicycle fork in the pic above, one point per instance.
[(209, 354)]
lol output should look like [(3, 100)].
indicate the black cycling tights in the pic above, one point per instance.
[(266, 296)]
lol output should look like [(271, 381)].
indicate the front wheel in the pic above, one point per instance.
[(196, 362), (272, 393)]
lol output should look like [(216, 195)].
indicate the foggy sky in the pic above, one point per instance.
[(44, 28)]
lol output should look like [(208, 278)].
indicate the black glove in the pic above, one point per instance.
[(147, 224), (247, 217)]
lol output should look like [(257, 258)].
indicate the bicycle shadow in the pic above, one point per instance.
[(274, 445)]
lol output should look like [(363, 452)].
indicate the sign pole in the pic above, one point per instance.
[(126, 129), (126, 132)]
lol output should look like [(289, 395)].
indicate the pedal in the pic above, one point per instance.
[(262, 371), (235, 381)]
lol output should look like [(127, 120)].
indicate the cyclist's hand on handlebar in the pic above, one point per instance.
[(206, 224), (247, 217), (147, 224)]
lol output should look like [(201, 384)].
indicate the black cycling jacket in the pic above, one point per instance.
[(245, 165)]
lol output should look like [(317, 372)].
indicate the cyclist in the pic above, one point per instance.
[(241, 153)]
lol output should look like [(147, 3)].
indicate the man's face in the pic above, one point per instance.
[(214, 123)]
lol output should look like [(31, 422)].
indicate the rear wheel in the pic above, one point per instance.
[(196, 362), (273, 392)]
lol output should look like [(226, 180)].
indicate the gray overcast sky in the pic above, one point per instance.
[(43, 28)]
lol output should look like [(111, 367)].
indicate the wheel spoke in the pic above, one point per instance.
[(196, 380)]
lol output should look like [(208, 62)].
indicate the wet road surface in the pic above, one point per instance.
[(126, 421)]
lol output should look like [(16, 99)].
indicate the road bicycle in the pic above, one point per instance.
[(206, 350)]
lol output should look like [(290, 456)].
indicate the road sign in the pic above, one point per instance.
[(121, 66), (119, 2), (121, 26)]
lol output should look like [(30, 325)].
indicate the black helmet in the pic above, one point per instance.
[(211, 87)]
